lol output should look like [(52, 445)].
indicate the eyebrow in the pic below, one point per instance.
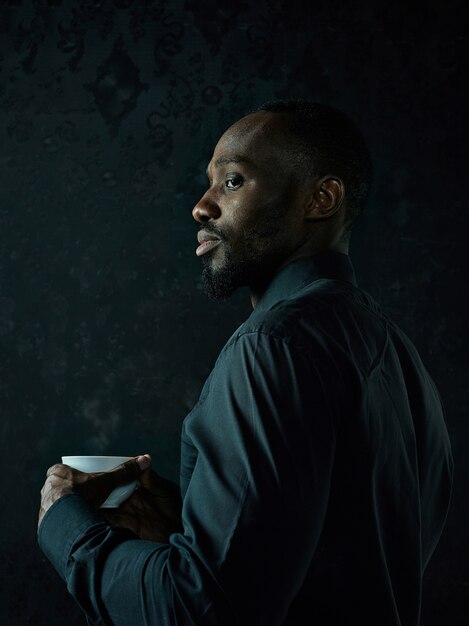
[(233, 159)]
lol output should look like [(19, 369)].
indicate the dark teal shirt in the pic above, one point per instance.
[(315, 472)]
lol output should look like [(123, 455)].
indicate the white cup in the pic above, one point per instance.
[(104, 464)]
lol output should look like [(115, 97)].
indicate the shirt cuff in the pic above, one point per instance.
[(64, 522)]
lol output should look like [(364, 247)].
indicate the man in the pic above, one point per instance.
[(316, 467)]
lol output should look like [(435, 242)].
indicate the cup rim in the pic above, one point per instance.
[(94, 456)]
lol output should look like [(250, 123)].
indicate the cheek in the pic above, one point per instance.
[(237, 215), (271, 215), (255, 212), (252, 205)]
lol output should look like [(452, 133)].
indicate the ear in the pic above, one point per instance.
[(325, 198)]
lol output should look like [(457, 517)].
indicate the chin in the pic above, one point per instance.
[(221, 280)]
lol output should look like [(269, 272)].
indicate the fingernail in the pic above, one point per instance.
[(143, 461)]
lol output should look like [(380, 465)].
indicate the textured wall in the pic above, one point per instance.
[(109, 114)]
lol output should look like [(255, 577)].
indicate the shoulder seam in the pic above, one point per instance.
[(286, 340)]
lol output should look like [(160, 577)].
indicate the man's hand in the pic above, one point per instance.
[(153, 511), (95, 487)]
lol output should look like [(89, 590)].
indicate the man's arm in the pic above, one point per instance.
[(252, 512)]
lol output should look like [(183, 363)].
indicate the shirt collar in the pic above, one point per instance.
[(302, 272)]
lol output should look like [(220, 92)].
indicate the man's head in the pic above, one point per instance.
[(287, 180)]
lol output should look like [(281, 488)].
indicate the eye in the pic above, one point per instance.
[(234, 181)]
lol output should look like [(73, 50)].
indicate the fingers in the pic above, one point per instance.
[(96, 486), (59, 470)]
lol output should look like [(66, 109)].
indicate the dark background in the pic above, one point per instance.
[(109, 114)]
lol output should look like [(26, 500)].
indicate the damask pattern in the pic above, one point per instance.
[(110, 111)]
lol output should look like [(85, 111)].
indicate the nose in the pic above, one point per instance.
[(206, 208)]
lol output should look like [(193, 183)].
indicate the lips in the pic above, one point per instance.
[(207, 242)]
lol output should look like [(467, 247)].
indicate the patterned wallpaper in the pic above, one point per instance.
[(109, 114)]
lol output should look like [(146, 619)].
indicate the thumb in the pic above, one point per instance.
[(128, 471), (98, 485), (143, 461)]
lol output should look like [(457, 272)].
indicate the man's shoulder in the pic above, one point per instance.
[(316, 308), (324, 320)]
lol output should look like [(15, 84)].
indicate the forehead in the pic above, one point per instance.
[(259, 137)]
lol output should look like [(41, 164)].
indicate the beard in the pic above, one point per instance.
[(222, 282), (246, 257), (240, 269)]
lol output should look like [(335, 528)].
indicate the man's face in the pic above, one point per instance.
[(248, 222)]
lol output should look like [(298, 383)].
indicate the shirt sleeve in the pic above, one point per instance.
[(252, 512)]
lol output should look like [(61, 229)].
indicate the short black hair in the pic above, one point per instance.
[(329, 142)]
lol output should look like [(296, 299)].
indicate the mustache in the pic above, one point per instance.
[(209, 228)]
